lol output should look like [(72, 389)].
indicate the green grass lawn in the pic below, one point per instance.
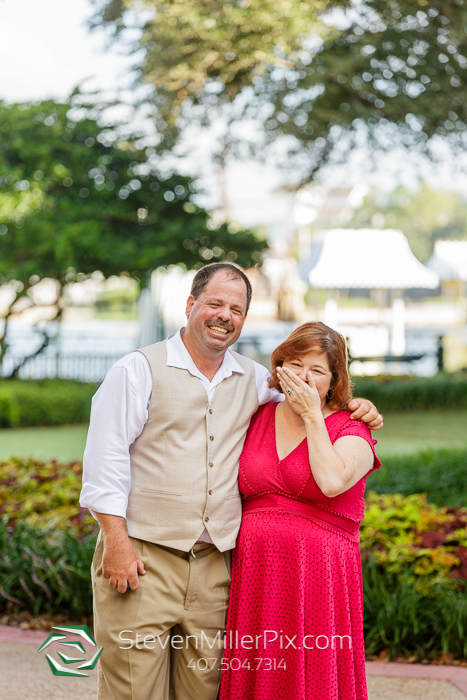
[(411, 432), (402, 433), (64, 442)]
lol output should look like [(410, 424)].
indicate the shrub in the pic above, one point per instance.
[(401, 619), (44, 402), (414, 393), (411, 538), (440, 473), (414, 558), (45, 571), (43, 493)]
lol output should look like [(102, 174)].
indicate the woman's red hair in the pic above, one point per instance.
[(316, 337)]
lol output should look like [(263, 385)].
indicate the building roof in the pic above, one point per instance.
[(365, 259), (449, 259)]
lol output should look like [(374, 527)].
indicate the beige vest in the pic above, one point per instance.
[(184, 465)]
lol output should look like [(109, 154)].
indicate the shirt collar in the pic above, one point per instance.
[(178, 356)]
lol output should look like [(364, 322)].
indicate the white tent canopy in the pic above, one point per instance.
[(449, 260), (365, 259)]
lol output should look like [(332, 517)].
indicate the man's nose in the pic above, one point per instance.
[(225, 313)]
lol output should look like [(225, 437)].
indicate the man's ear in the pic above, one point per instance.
[(189, 305)]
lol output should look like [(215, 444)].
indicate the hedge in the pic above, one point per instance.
[(44, 402), (60, 401), (439, 473), (414, 393)]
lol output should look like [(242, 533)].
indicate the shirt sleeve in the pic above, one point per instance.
[(356, 428), (118, 414), (265, 394)]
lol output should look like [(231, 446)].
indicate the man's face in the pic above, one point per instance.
[(217, 316)]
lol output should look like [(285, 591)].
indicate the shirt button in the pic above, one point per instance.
[(210, 410), (211, 437), (206, 520), (210, 492), (211, 464)]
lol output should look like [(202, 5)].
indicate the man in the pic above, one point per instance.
[(160, 474)]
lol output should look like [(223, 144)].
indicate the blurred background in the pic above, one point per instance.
[(320, 145)]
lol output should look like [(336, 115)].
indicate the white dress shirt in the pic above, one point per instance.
[(120, 411)]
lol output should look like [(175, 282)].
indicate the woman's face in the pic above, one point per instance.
[(317, 364)]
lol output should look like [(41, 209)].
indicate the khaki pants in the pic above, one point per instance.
[(183, 594)]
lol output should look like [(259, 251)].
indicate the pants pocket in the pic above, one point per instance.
[(97, 556)]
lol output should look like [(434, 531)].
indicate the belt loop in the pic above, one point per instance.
[(192, 552)]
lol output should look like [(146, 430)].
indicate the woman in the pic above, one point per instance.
[(295, 622)]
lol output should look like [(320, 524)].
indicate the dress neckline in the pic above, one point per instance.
[(275, 405)]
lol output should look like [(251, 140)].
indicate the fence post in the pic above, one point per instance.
[(440, 354)]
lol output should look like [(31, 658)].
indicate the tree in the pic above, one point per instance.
[(321, 72), (423, 216), (75, 197)]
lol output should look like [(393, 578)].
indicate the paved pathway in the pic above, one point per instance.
[(25, 673)]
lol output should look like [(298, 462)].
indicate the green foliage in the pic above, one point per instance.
[(45, 571), (423, 216), (76, 196), (318, 73), (43, 494), (9, 409), (414, 559), (414, 393), (441, 474), (413, 538), (44, 402), (402, 619)]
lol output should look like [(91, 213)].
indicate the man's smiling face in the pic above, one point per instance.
[(217, 316)]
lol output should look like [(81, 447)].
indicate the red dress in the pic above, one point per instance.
[(295, 620)]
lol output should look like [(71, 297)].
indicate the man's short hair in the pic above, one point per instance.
[(203, 276)]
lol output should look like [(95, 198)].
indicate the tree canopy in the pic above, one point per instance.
[(318, 71), (75, 198)]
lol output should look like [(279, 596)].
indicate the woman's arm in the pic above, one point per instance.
[(336, 468)]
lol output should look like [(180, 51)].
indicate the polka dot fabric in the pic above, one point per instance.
[(295, 621)]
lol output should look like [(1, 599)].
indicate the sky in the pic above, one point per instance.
[(46, 50)]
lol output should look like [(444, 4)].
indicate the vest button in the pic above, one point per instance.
[(211, 464), (210, 492), (206, 520), (211, 437)]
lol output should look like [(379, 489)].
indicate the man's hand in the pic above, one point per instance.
[(120, 561), (121, 565), (364, 410)]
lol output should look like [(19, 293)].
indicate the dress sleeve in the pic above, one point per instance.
[(358, 429)]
